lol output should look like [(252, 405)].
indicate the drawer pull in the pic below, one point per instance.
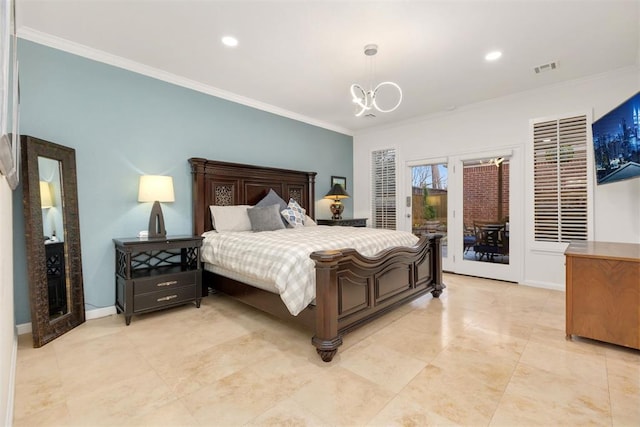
[(169, 283), (167, 298)]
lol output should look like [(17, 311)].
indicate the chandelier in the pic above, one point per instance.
[(365, 100)]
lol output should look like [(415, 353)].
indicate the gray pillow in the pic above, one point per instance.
[(272, 198), (265, 218)]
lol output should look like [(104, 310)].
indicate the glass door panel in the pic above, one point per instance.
[(483, 227), (486, 211), (429, 202)]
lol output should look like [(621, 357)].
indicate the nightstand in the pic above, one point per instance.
[(157, 273), (353, 222)]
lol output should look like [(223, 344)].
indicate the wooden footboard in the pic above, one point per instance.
[(351, 289)]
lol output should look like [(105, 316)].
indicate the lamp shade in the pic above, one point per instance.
[(46, 201), (155, 188), (337, 192)]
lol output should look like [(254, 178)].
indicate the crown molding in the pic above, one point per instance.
[(68, 46), (634, 68)]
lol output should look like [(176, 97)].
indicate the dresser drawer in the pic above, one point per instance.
[(163, 282), (163, 298)]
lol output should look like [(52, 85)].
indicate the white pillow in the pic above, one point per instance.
[(308, 222), (230, 218), (294, 214)]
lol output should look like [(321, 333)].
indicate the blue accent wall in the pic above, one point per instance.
[(123, 124)]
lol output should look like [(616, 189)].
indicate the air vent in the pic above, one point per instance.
[(546, 67)]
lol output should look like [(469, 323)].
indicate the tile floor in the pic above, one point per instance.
[(485, 353)]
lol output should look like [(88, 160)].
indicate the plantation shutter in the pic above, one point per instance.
[(383, 191), (560, 179)]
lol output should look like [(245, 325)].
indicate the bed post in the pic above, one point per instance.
[(326, 339), (437, 265), (197, 171), (311, 195)]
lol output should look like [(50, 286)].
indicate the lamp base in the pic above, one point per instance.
[(156, 222), (336, 209)]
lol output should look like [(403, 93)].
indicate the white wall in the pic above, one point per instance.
[(504, 122), (7, 322)]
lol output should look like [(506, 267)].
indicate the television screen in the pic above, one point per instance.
[(616, 142)]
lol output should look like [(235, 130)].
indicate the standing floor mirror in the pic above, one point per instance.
[(52, 232)]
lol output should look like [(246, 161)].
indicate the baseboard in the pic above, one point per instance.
[(100, 312), (25, 328), (545, 285)]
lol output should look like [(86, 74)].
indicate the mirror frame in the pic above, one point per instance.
[(43, 329)]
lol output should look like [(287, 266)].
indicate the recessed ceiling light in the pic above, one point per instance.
[(230, 41), (492, 56)]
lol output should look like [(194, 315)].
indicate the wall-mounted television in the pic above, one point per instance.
[(616, 142)]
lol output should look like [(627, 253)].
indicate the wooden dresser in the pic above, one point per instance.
[(603, 292)]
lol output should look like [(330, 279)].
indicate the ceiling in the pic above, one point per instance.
[(299, 58)]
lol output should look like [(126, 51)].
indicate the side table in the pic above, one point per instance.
[(157, 273)]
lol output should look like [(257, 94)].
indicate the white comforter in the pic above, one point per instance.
[(282, 256)]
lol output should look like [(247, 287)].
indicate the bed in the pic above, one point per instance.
[(350, 289)]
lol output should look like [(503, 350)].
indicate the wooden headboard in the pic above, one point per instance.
[(225, 184)]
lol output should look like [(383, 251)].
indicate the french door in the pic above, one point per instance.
[(470, 200), (428, 203)]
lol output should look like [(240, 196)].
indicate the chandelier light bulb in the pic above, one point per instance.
[(366, 100)]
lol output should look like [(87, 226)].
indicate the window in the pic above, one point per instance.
[(560, 179), (383, 190)]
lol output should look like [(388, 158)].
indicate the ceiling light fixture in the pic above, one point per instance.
[(366, 99), (230, 41), (492, 56)]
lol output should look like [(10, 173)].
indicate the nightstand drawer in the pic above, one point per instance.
[(167, 297), (163, 282)]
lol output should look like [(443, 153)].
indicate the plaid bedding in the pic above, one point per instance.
[(282, 256)]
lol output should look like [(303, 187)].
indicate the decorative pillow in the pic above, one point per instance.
[(294, 214), (230, 218), (272, 198), (308, 222), (265, 218), (294, 205)]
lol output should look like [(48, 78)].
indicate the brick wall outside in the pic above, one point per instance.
[(481, 193)]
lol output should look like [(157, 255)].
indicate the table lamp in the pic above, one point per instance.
[(336, 193), (156, 189), (46, 201)]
